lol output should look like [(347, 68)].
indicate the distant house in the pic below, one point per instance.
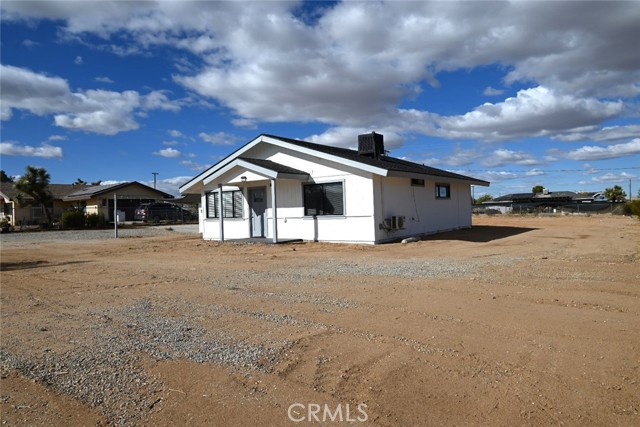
[(93, 199), (99, 199), (566, 200), (29, 213), (280, 188)]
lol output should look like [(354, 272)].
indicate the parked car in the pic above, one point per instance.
[(161, 211)]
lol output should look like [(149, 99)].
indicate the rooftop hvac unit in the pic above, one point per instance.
[(371, 144)]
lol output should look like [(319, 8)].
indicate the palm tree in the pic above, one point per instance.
[(35, 184)]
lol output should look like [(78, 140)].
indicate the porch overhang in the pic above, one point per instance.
[(265, 168)]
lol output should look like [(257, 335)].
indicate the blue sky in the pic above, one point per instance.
[(516, 93)]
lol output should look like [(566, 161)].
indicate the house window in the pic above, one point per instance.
[(324, 199), (443, 191), (37, 211), (232, 204), (415, 182)]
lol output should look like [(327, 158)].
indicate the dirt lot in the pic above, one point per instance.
[(519, 321)]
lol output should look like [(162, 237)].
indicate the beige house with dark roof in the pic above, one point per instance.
[(28, 214), (95, 199)]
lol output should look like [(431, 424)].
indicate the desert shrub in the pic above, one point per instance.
[(95, 220), (73, 219), (634, 207)]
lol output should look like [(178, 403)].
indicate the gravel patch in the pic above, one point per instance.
[(27, 237), (428, 268), (108, 373)]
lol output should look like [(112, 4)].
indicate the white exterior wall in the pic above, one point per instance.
[(368, 200), (424, 214), (234, 228), (356, 225)]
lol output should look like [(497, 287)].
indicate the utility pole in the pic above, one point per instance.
[(155, 174)]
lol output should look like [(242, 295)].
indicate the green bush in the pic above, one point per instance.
[(634, 207), (73, 219), (95, 220)]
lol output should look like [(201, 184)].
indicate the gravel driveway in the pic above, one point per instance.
[(28, 237)]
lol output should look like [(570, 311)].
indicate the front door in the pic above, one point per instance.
[(257, 206)]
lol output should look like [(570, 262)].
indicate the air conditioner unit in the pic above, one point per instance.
[(397, 222)]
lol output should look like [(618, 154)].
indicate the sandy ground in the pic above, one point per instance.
[(519, 321)]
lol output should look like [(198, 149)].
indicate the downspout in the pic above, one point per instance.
[(274, 207), (220, 213)]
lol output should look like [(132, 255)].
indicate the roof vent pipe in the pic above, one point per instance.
[(371, 145)]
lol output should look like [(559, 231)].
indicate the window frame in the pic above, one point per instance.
[(323, 184), (440, 185), (237, 204)]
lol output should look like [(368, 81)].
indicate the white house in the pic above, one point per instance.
[(282, 189)]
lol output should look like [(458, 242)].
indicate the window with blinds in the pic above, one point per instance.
[(232, 204), (324, 199)]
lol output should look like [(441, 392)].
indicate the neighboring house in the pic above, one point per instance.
[(96, 199), (547, 199), (99, 199), (283, 189), (33, 214)]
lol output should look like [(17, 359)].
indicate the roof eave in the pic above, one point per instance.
[(358, 165), (466, 180)]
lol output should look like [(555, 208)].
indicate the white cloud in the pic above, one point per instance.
[(29, 43), (613, 177), (533, 112), (503, 157), (169, 185), (535, 172), (78, 60), (493, 176), (99, 111), (45, 150), (609, 152), (193, 165), (356, 61), (170, 143), (158, 100), (175, 133), (610, 133), (168, 152), (219, 138), (347, 137), (57, 138), (244, 123), (104, 79), (461, 157), (489, 91)]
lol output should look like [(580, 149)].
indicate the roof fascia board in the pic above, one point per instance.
[(437, 177), (297, 176), (337, 159), (203, 176), (241, 163)]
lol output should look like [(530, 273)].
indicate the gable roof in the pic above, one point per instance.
[(58, 191), (74, 192), (96, 190), (383, 162), (273, 166), (384, 165)]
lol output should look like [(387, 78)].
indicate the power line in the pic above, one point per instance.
[(550, 170)]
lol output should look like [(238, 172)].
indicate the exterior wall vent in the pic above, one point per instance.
[(371, 145), (392, 224)]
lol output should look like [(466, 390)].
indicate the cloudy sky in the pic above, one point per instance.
[(517, 93)]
